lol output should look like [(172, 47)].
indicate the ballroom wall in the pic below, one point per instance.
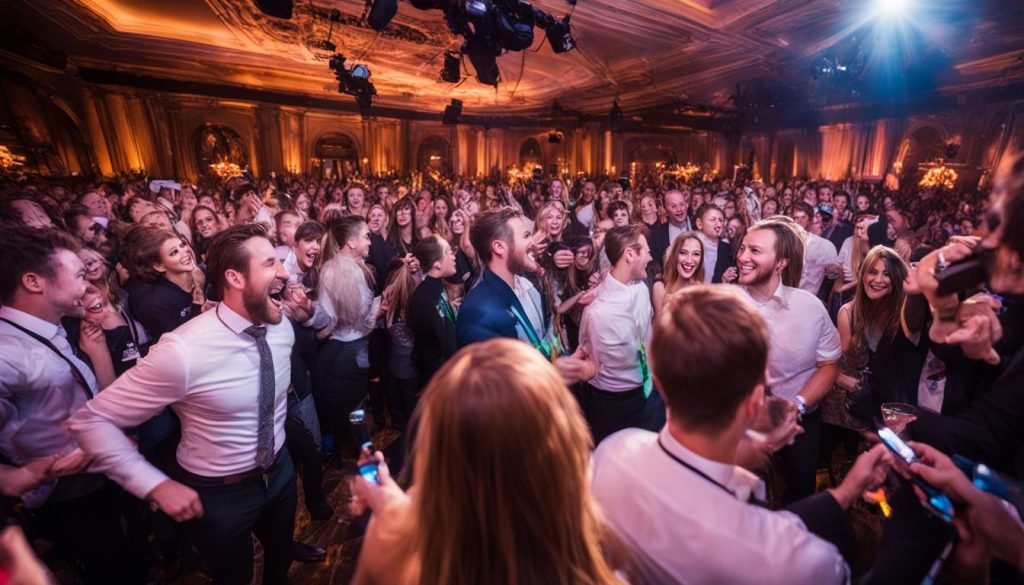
[(68, 127)]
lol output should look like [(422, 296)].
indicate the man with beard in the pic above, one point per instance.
[(43, 380), (804, 351), (226, 375), (504, 303)]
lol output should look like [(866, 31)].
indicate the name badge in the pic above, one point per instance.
[(130, 353)]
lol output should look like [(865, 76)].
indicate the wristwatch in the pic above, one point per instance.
[(801, 405)]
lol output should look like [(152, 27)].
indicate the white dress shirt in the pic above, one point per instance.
[(674, 231), (846, 259), (207, 371), (585, 215), (710, 257), (681, 528), (802, 336), (38, 390), (533, 304), (820, 260), (612, 326)]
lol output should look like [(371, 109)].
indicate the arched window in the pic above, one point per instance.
[(215, 143), (337, 154), (434, 154), (529, 153)]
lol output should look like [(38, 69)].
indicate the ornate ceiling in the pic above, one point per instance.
[(644, 52)]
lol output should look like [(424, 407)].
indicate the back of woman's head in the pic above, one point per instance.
[(502, 494)]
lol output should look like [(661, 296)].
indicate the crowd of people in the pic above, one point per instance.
[(592, 381)]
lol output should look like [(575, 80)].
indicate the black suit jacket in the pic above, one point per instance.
[(840, 232), (658, 242), (433, 331), (723, 262)]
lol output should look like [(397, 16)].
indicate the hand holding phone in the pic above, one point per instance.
[(935, 500)]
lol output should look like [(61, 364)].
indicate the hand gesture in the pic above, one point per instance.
[(587, 297), (367, 495), (297, 305), (730, 274), (562, 259), (91, 340), (176, 500), (578, 367), (867, 473)]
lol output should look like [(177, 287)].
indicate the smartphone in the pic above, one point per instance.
[(963, 276), (357, 420), (937, 502)]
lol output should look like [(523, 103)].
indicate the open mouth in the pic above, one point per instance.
[(689, 267), (277, 296)]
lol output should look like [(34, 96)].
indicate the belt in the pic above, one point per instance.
[(263, 474), (609, 395)]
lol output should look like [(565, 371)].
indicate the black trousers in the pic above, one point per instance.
[(402, 394), (88, 528), (610, 412), (233, 513), (302, 446), (341, 376), (798, 463)]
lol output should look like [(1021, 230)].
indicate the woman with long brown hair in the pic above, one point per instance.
[(166, 287), (880, 364), (684, 266), (480, 510)]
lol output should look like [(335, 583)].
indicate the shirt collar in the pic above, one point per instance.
[(34, 324), (231, 319), (741, 482), (780, 296)]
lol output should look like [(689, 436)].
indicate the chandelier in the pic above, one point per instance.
[(226, 170), (939, 176)]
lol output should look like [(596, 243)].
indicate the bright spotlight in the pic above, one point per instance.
[(891, 8)]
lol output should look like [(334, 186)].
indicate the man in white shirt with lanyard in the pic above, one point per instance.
[(803, 363), (677, 501), (615, 329), (42, 382), (225, 374)]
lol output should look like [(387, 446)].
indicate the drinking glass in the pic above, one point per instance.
[(897, 415)]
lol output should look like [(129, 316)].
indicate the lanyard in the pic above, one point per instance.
[(445, 307), (131, 326), (535, 340), (75, 372), (753, 500)]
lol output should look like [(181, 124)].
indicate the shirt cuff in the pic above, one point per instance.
[(142, 478)]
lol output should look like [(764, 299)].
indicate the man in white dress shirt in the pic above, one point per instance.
[(680, 507), (820, 257), (804, 359), (43, 380), (225, 374), (614, 330)]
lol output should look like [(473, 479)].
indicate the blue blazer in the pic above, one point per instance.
[(486, 313)]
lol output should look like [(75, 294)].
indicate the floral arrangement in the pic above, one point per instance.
[(226, 170)]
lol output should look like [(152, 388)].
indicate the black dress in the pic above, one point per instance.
[(890, 373)]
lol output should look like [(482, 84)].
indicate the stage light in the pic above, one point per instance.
[(892, 8), (452, 70), (451, 114)]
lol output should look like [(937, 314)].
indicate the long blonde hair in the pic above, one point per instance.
[(494, 422)]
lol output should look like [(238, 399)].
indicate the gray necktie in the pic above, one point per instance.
[(265, 428)]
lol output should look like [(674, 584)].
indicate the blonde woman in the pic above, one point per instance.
[(482, 510), (346, 313)]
